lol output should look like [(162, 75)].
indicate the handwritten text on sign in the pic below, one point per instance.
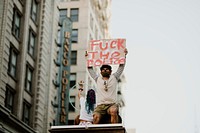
[(107, 51)]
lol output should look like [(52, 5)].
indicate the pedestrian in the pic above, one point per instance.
[(106, 92)]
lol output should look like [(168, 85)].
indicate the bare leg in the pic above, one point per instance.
[(113, 111), (96, 118)]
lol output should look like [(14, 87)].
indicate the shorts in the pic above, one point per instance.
[(85, 123), (103, 108)]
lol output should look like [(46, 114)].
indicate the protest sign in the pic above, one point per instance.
[(106, 51)]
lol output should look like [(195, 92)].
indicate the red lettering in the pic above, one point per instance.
[(120, 44), (93, 54), (94, 43), (107, 61), (120, 61), (113, 44), (115, 54), (103, 46), (89, 62), (98, 62), (104, 55)]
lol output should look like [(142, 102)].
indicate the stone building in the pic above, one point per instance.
[(29, 47), (91, 20), (28, 30)]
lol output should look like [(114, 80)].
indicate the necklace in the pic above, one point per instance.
[(106, 85)]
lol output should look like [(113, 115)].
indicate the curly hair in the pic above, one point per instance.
[(90, 101)]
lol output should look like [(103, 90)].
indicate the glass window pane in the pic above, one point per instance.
[(34, 10), (12, 62), (74, 14), (28, 88), (12, 71), (74, 36), (26, 113), (9, 99), (72, 99), (31, 51), (17, 20), (32, 40), (63, 13), (72, 103), (29, 75), (16, 23), (72, 77), (17, 26), (28, 79), (14, 59), (73, 57)]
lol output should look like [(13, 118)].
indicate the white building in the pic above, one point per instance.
[(91, 20)]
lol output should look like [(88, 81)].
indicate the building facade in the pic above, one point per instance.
[(91, 20), (28, 30), (30, 44)]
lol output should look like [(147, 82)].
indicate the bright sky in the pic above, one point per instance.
[(162, 93)]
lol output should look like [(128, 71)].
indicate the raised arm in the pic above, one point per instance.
[(120, 69), (91, 70), (80, 89)]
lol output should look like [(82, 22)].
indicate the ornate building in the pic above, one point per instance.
[(28, 30)]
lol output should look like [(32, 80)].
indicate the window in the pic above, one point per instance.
[(9, 100), (26, 112), (63, 13), (72, 79), (34, 8), (12, 64), (73, 57), (16, 25), (28, 79), (74, 36), (31, 42), (72, 104), (74, 14)]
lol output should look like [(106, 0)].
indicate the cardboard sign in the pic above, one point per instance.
[(106, 51)]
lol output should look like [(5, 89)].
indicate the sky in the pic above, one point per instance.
[(162, 91)]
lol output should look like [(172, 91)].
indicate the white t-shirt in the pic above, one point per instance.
[(109, 96), (83, 112)]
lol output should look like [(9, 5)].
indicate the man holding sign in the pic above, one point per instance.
[(105, 53)]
